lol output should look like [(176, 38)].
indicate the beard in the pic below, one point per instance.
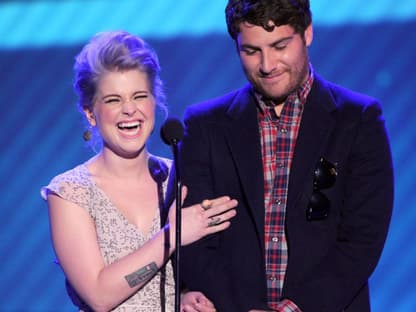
[(291, 79)]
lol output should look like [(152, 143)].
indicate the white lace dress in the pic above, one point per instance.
[(116, 236)]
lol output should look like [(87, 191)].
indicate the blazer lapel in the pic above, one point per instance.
[(243, 138), (244, 142), (316, 125)]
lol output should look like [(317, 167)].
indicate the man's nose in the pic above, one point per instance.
[(267, 65)]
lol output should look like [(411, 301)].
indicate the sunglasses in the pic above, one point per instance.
[(324, 177)]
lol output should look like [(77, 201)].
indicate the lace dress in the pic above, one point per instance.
[(116, 236)]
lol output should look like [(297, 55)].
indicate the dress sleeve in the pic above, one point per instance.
[(73, 186)]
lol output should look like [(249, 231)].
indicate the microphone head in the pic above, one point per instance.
[(171, 131)]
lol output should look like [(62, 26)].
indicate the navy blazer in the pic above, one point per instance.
[(330, 261)]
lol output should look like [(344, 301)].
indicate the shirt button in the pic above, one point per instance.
[(272, 278), (275, 239), (278, 202), (283, 130)]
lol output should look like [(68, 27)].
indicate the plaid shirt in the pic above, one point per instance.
[(278, 139)]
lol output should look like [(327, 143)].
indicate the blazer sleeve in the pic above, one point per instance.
[(195, 172), (205, 264)]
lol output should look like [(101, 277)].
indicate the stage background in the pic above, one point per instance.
[(368, 46)]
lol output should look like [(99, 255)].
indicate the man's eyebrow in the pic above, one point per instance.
[(247, 45), (274, 43), (277, 42)]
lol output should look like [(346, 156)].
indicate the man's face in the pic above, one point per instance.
[(276, 63)]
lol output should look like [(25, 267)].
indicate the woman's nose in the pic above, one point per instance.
[(128, 107)]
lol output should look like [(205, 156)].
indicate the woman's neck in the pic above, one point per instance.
[(109, 165)]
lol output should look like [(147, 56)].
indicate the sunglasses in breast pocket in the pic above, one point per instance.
[(324, 177)]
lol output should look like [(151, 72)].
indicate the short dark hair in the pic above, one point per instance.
[(295, 13)]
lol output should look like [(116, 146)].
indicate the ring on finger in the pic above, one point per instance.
[(206, 204), (213, 221)]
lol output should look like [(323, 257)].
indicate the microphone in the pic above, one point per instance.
[(171, 133)]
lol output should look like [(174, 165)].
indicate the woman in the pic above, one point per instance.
[(107, 217)]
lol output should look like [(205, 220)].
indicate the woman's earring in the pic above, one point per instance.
[(87, 134)]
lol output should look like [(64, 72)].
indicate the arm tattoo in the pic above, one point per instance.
[(141, 275)]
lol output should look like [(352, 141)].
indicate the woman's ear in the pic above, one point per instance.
[(90, 117)]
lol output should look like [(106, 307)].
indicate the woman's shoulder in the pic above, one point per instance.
[(69, 183)]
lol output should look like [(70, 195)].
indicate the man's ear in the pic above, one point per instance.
[(90, 117), (308, 35)]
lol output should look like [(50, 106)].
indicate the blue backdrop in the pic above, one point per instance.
[(368, 46)]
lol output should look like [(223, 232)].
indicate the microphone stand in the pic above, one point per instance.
[(178, 224), (171, 133)]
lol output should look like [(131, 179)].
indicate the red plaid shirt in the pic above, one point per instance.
[(278, 139)]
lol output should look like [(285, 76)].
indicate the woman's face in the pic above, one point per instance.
[(123, 111)]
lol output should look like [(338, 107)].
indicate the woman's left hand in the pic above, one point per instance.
[(195, 301)]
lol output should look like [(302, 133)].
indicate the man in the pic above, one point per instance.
[(310, 165)]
